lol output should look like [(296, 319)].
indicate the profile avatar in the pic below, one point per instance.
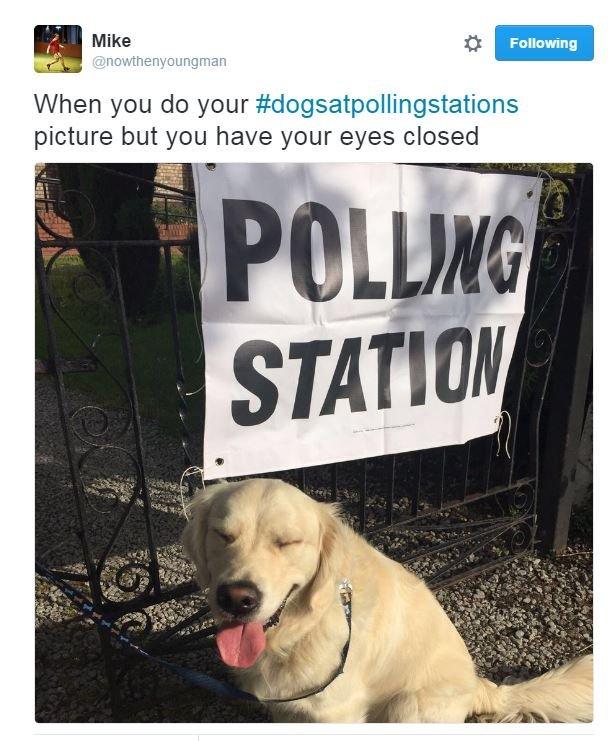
[(58, 48)]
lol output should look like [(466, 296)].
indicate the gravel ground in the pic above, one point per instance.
[(519, 620)]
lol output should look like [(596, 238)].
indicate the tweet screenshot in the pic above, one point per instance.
[(309, 447)]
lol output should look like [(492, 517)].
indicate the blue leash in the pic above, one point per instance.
[(195, 678)]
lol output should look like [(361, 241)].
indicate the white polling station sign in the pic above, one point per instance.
[(356, 310)]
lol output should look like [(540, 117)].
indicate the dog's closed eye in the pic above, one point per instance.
[(227, 537), (283, 543)]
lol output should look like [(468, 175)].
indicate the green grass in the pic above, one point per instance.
[(151, 342), (41, 60)]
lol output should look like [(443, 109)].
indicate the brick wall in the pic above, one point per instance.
[(175, 175), (46, 197)]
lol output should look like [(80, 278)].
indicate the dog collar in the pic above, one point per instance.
[(345, 596)]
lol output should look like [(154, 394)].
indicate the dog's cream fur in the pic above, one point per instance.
[(407, 663)]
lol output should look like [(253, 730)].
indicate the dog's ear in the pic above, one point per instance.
[(332, 557), (195, 533)]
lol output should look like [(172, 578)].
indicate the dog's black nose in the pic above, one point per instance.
[(238, 598)]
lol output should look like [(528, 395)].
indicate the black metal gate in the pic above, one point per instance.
[(447, 512)]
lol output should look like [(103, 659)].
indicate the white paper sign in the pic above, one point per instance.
[(356, 310)]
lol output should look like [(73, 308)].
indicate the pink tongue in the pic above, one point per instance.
[(240, 644)]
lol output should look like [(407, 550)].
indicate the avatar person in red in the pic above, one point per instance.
[(53, 48)]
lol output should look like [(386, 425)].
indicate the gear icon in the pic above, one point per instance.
[(473, 43)]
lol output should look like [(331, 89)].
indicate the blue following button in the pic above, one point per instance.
[(544, 43)]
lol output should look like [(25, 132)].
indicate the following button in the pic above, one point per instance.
[(544, 43)]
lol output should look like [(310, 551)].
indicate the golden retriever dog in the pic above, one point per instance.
[(273, 560)]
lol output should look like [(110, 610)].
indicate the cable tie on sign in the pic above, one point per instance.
[(195, 318), (550, 191), (192, 393), (189, 472), (539, 176), (499, 420)]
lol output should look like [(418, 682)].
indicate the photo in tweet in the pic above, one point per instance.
[(284, 409)]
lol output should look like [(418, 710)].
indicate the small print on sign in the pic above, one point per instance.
[(358, 310)]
